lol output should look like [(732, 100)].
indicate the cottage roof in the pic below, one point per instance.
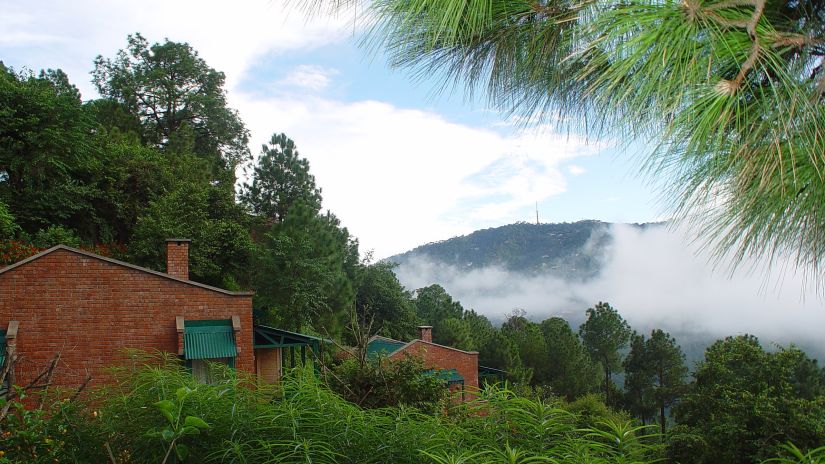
[(378, 345), (271, 337), (119, 263)]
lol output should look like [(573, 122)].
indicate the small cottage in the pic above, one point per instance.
[(89, 308), (457, 368)]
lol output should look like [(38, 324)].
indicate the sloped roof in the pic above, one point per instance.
[(271, 337), (490, 372), (119, 263), (384, 346)]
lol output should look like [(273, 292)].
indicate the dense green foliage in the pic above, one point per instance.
[(380, 383), (745, 402), (383, 303), (176, 96), (50, 157)]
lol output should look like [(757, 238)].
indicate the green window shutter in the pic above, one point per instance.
[(209, 339)]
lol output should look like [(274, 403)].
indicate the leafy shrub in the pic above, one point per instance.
[(8, 227), (37, 435), (12, 251), (590, 409), (381, 383), (790, 454), (55, 235)]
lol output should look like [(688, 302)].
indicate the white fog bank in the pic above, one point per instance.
[(655, 278)]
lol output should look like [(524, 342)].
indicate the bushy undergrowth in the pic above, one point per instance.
[(157, 413), (379, 383)]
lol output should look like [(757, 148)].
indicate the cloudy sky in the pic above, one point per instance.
[(400, 164)]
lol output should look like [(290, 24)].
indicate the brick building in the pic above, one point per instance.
[(458, 368), (89, 308)]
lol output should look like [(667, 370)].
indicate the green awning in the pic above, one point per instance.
[(446, 375), (209, 339)]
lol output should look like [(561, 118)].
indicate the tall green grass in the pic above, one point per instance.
[(302, 421)]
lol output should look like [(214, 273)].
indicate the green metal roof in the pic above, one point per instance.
[(209, 339), (382, 346), (485, 372), (270, 337), (446, 375)]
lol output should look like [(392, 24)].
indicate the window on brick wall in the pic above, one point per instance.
[(207, 344), (208, 370)]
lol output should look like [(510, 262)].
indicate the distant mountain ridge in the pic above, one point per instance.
[(574, 250)]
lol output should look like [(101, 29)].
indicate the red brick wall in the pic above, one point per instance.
[(90, 309), (442, 357), (177, 258), (425, 332)]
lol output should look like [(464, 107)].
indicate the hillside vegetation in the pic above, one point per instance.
[(565, 250)]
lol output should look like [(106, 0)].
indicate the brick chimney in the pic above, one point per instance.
[(425, 333), (177, 257)]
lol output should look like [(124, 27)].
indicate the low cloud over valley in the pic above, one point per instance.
[(655, 277)]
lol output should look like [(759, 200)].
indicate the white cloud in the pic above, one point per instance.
[(228, 35), (402, 177), (576, 170), (309, 77)]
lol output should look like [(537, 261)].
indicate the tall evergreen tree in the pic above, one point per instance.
[(280, 180), (667, 363), (169, 88), (604, 333), (656, 375), (638, 381), (300, 272), (569, 371), (530, 345)]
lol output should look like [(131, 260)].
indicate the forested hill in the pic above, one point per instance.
[(567, 250)]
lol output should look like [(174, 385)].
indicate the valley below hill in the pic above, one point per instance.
[(655, 275)]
